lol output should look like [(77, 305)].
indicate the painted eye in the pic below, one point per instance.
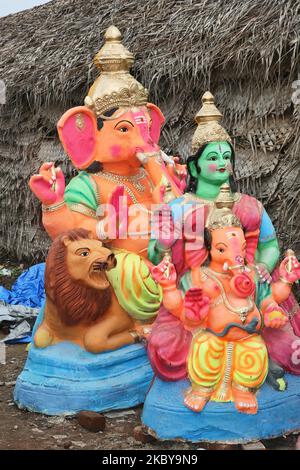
[(226, 157), (213, 159), (123, 129), (84, 253), (221, 250)]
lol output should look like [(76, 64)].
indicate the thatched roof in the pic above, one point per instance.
[(245, 52)]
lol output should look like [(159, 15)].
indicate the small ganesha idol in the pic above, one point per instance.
[(221, 303)]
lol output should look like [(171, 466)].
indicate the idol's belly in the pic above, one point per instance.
[(223, 322)]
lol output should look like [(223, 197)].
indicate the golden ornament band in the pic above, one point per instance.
[(134, 180), (53, 207), (136, 336), (285, 281)]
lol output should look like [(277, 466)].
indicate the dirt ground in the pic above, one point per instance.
[(23, 430)]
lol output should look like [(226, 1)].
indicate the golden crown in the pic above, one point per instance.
[(208, 127), (115, 87), (222, 215)]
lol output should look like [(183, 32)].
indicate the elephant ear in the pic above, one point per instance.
[(158, 120), (77, 130)]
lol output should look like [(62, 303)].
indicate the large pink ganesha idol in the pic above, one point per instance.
[(113, 141), (218, 303)]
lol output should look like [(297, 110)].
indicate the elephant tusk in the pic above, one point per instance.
[(166, 158), (53, 172), (143, 158)]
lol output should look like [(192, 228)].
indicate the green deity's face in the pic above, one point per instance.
[(214, 165)]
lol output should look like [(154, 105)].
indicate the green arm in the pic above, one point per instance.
[(268, 253), (154, 254), (267, 249)]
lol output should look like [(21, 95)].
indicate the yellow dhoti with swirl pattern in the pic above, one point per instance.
[(215, 364)]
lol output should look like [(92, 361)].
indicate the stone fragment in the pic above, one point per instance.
[(11, 383), (91, 421), (78, 444), (253, 446), (140, 434), (218, 446), (119, 414), (37, 430)]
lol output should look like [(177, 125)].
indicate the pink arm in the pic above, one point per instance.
[(62, 219), (289, 272), (165, 275), (193, 308)]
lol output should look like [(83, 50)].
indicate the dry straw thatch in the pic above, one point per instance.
[(246, 52)]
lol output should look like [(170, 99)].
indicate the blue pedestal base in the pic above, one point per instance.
[(64, 379), (168, 418)]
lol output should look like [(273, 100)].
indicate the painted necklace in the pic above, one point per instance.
[(134, 180), (242, 312)]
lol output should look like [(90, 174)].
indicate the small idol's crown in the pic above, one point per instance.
[(115, 87), (208, 127), (222, 215)]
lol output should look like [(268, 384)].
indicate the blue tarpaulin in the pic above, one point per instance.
[(28, 289)]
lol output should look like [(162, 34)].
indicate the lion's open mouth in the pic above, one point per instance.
[(98, 268), (99, 277)]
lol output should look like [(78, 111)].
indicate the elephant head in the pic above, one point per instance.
[(117, 124), (120, 134), (226, 243)]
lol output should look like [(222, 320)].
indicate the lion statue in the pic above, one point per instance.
[(89, 299)]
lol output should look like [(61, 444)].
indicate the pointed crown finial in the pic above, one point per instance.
[(222, 215), (225, 199), (113, 55), (113, 34), (115, 87), (208, 127), (208, 111)]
